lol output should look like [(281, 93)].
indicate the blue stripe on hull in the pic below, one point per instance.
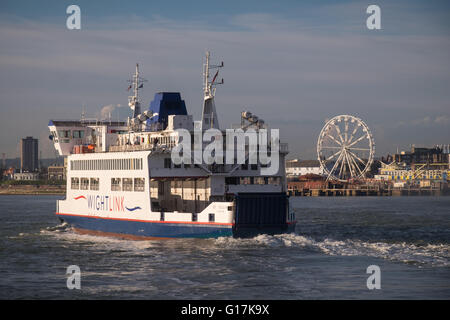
[(148, 229)]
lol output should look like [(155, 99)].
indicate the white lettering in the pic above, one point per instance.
[(74, 20), (74, 280), (374, 21), (374, 281)]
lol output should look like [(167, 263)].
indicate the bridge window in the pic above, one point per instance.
[(75, 183), (95, 183), (139, 184), (259, 180), (274, 180), (127, 184), (115, 184), (64, 133), (77, 134), (84, 184)]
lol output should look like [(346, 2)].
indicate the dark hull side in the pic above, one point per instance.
[(144, 230)]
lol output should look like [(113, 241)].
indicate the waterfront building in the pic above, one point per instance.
[(308, 181), (26, 176), (419, 164), (29, 161), (8, 174), (56, 173), (296, 168)]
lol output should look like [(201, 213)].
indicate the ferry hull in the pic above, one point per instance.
[(262, 213), (150, 230), (134, 229)]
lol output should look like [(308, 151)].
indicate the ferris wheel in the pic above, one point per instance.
[(345, 148)]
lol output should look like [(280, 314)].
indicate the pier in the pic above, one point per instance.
[(369, 191)]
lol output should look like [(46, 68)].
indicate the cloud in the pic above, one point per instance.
[(426, 121), (107, 111), (279, 68), (420, 122), (442, 120)]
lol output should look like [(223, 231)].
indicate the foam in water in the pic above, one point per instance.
[(431, 254), (65, 233)]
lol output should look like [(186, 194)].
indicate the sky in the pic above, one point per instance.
[(295, 64)]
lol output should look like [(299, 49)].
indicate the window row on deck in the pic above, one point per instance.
[(117, 184), (107, 164)]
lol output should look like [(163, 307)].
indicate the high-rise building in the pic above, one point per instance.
[(29, 154)]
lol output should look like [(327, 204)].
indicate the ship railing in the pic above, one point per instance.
[(129, 147), (142, 147)]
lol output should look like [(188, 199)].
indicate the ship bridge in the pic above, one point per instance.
[(84, 136)]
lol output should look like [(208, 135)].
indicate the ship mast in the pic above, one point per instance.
[(136, 83), (209, 114)]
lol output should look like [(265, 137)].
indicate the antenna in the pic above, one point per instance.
[(207, 85), (83, 112), (136, 83)]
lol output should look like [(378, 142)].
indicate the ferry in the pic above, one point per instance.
[(122, 179)]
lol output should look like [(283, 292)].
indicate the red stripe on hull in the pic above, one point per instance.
[(148, 221)]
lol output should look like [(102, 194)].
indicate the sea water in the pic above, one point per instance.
[(335, 241)]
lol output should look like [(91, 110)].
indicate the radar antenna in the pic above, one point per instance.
[(136, 83)]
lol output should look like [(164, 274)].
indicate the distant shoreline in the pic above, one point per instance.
[(32, 194), (32, 190)]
